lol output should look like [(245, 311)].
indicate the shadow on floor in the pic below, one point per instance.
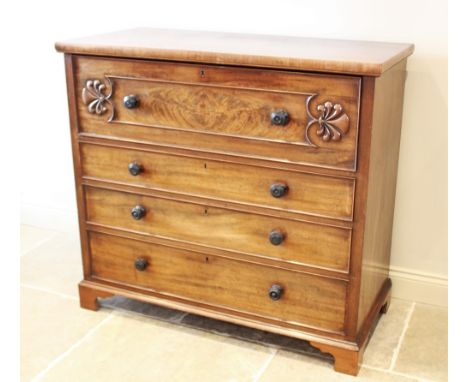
[(214, 326)]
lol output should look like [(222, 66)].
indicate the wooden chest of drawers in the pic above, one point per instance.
[(245, 178)]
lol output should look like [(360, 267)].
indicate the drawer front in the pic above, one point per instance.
[(298, 242), (305, 299), (304, 118), (306, 193)]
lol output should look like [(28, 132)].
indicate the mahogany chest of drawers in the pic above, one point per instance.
[(246, 178)]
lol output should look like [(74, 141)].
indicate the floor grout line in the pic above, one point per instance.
[(46, 290), (40, 243), (57, 360), (260, 371), (396, 351), (397, 373)]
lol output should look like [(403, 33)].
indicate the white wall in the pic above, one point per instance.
[(419, 254)]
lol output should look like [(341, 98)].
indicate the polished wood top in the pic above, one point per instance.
[(280, 52)]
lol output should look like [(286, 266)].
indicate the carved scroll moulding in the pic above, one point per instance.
[(332, 122), (94, 97)]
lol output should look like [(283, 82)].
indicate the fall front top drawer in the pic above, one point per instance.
[(268, 292), (283, 239), (292, 191), (296, 117)]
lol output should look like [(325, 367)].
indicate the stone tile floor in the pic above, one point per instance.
[(130, 341)]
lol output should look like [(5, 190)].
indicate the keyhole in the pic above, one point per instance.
[(205, 165), (206, 211), (202, 72), (206, 259)]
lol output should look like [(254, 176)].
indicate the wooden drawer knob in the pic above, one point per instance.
[(278, 190), (141, 264), (131, 101), (276, 237), (138, 212), (135, 168), (275, 292), (279, 118)]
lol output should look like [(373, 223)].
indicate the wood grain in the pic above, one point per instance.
[(308, 194), (219, 312), (305, 243), (383, 167), (319, 55), (308, 300), (346, 360), (74, 132), (230, 107), (231, 205), (227, 111), (89, 297), (195, 152), (202, 133), (219, 252), (360, 202)]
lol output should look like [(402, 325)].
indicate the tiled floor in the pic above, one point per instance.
[(130, 341)]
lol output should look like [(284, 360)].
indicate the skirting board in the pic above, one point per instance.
[(407, 284), (414, 285)]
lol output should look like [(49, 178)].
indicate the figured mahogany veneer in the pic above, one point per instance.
[(245, 178), (230, 107)]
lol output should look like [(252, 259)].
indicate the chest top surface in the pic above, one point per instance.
[(279, 52)]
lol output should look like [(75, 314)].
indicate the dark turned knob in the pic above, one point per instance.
[(130, 101), (138, 212), (275, 292), (135, 169), (141, 264), (276, 237), (279, 117), (278, 190)]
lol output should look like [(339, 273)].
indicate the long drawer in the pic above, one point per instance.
[(296, 117), (269, 292), (283, 239), (306, 193)]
